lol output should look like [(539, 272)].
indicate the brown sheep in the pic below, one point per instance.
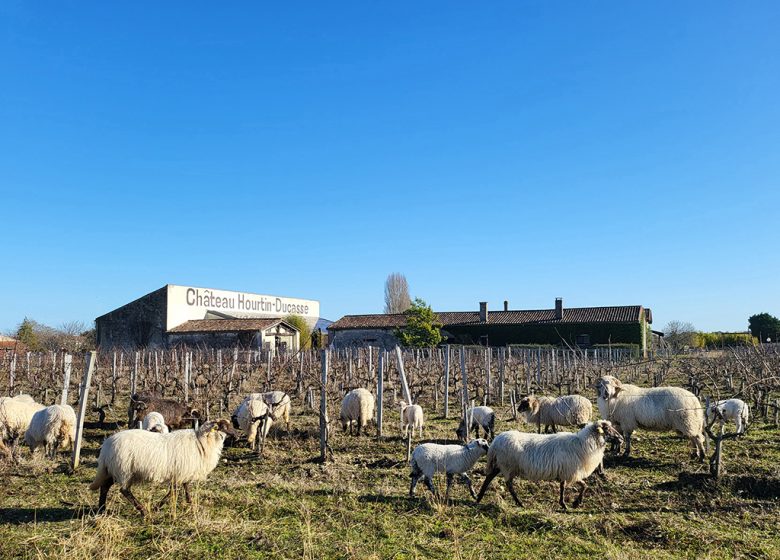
[(176, 415)]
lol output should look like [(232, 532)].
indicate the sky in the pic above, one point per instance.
[(610, 153)]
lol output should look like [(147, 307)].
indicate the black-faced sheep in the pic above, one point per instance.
[(659, 408), (430, 458), (357, 407), (736, 410), (569, 410), (176, 415), (53, 427), (179, 457), (480, 416), (566, 457)]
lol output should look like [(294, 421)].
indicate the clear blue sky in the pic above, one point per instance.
[(612, 154)]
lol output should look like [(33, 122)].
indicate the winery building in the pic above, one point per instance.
[(175, 315), (582, 327)]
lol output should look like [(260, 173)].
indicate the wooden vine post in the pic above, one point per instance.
[(89, 367)]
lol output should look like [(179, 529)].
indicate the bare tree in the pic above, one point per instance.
[(679, 334), (397, 298)]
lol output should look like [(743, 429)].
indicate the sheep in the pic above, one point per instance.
[(570, 410), (356, 407), (566, 457), (659, 408), (730, 409), (411, 416), (154, 422), (52, 427), (15, 416), (176, 415), (480, 416), (430, 458), (249, 415), (179, 457), (279, 405)]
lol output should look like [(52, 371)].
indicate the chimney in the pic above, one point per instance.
[(506, 305), (559, 308), (483, 312)]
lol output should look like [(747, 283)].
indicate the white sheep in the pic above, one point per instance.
[(430, 458), (480, 416), (569, 410), (411, 416), (251, 417), (357, 407), (279, 406), (730, 409), (565, 457), (660, 408), (154, 422), (53, 427), (15, 416), (179, 457)]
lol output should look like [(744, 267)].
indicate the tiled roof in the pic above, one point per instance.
[(617, 314), (224, 325)]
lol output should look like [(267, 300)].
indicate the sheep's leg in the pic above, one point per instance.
[(578, 499), (488, 479), (167, 495), (467, 481), (600, 471), (562, 498), (627, 438), (431, 487), (511, 487), (104, 493), (415, 477), (132, 499), (554, 428), (187, 497), (447, 491)]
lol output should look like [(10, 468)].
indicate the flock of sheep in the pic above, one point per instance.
[(160, 453)]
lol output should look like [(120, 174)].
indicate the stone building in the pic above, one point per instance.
[(577, 327), (188, 315)]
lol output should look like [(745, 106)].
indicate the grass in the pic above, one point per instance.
[(657, 504)]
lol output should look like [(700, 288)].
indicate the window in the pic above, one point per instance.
[(583, 340)]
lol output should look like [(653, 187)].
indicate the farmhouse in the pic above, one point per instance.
[(578, 326), (204, 316)]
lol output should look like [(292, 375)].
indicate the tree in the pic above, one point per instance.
[(304, 330), (423, 329), (26, 334), (397, 298), (679, 334), (765, 326)]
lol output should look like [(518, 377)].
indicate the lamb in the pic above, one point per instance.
[(411, 416), (154, 422), (730, 409), (430, 458), (52, 427), (179, 457), (357, 407), (176, 415), (480, 416), (659, 408), (249, 415), (570, 410), (15, 416), (566, 457)]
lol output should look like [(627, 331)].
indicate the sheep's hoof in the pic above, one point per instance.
[(564, 507)]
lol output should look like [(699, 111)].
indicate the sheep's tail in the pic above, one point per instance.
[(101, 476)]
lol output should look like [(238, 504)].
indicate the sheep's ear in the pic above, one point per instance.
[(618, 388), (600, 430)]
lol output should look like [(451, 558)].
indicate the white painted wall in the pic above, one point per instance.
[(188, 302)]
